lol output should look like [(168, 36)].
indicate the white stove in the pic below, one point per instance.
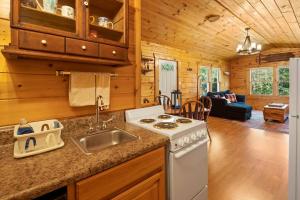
[(187, 160)]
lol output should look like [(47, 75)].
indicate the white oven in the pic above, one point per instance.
[(188, 172), (187, 162)]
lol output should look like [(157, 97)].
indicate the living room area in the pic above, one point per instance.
[(258, 94), (248, 121)]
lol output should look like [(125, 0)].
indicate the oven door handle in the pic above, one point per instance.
[(189, 149)]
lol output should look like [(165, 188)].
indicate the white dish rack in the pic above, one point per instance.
[(46, 137)]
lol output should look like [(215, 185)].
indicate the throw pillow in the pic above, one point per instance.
[(231, 97)]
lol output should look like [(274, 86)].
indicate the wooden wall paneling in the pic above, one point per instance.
[(138, 38), (186, 59), (240, 77), (30, 89), (4, 32), (4, 9)]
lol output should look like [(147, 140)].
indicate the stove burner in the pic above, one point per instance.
[(184, 121), (165, 125), (164, 117), (147, 121)]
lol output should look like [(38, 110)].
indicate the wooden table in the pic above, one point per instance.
[(276, 113)]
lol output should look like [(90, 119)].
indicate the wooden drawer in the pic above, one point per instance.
[(82, 48), (41, 42), (114, 181), (113, 52)]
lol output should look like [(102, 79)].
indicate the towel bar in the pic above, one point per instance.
[(62, 73)]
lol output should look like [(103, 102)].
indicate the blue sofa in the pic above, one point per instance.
[(238, 110)]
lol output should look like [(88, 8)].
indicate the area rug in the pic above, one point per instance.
[(257, 121)]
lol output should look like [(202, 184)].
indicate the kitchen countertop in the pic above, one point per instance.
[(34, 176)]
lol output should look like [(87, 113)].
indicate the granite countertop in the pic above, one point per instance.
[(31, 177)]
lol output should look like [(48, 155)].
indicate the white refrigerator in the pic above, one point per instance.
[(294, 130)]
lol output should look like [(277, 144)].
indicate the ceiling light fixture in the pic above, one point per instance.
[(248, 47)]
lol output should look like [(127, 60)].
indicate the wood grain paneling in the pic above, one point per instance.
[(186, 59), (30, 89), (183, 24), (240, 77)]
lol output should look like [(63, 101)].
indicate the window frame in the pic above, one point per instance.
[(218, 78), (200, 82), (273, 79), (277, 79)]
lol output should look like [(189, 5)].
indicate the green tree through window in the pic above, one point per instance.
[(283, 81), (215, 82), (203, 80), (261, 81)]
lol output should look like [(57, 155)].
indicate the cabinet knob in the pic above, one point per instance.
[(44, 42), (114, 52), (86, 3), (83, 47)]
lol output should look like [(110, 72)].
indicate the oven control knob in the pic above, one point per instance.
[(186, 140)]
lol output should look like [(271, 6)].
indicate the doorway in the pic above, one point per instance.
[(167, 77)]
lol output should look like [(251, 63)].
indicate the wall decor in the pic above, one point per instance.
[(168, 65)]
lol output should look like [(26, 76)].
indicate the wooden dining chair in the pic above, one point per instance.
[(192, 110), (207, 108), (163, 100)]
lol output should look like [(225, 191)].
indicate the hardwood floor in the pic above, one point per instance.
[(246, 163)]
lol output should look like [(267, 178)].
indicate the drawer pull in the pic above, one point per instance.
[(114, 52), (83, 47), (86, 3), (44, 42)]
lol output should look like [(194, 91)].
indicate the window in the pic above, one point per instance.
[(283, 81), (203, 80), (261, 81), (215, 79)]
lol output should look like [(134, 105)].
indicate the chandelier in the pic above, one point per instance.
[(248, 47)]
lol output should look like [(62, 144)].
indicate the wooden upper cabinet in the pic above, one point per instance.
[(61, 17), (88, 31), (107, 20)]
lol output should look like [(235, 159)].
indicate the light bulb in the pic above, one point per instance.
[(259, 47), (239, 47)]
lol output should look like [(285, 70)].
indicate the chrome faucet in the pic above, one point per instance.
[(106, 122), (98, 109)]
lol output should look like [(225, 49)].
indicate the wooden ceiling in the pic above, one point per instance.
[(182, 24)]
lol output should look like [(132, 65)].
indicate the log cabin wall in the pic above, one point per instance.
[(187, 79), (30, 89), (240, 77)]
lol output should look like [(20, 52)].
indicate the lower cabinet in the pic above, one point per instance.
[(142, 178), (146, 190)]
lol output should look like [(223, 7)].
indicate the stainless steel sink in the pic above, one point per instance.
[(103, 139)]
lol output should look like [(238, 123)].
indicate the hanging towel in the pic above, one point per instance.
[(82, 89), (103, 89)]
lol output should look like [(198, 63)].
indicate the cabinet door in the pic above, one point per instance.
[(59, 17), (149, 189), (107, 21), (114, 181)]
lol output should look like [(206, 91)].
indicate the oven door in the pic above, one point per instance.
[(188, 174)]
